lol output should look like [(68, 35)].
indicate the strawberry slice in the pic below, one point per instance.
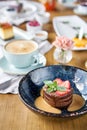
[(66, 84), (58, 80), (62, 93)]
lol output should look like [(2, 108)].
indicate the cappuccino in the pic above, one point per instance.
[(21, 47), (21, 53)]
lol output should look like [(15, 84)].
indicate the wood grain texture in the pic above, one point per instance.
[(14, 115)]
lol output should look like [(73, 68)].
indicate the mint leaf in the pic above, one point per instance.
[(55, 83), (52, 86), (61, 88), (49, 90), (48, 82)]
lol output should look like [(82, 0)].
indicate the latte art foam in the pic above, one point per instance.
[(20, 47)]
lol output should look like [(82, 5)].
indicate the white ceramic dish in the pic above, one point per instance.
[(79, 48), (38, 5), (41, 35), (33, 29), (70, 5), (77, 11), (18, 34), (22, 17), (43, 17), (28, 9), (10, 69), (66, 25)]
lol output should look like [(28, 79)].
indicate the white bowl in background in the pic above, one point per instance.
[(41, 35), (33, 28), (43, 17), (82, 7)]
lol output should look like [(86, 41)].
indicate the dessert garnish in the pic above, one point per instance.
[(34, 23), (80, 43), (10, 9), (76, 28), (52, 86), (65, 22)]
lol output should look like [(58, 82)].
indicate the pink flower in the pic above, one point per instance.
[(63, 43)]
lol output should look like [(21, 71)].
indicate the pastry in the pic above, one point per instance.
[(58, 93), (6, 31), (80, 43)]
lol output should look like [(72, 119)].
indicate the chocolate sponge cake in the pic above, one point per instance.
[(58, 93)]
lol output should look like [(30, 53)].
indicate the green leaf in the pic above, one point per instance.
[(55, 83), (49, 90), (61, 88), (48, 82), (53, 86), (65, 22)]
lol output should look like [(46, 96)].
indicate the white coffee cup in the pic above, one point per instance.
[(21, 53), (83, 7)]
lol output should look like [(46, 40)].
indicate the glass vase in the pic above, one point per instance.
[(62, 56)]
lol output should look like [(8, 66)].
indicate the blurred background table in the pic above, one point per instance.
[(79, 57), (14, 115)]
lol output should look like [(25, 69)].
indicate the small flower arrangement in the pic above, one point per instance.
[(63, 42), (63, 53)]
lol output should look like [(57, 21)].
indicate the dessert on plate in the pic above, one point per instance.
[(58, 93), (6, 31), (33, 26), (80, 43)]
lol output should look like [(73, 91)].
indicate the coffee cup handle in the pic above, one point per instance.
[(36, 60)]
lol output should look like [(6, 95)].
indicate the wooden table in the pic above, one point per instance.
[(14, 115)]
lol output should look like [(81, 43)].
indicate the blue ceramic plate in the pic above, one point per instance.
[(31, 84)]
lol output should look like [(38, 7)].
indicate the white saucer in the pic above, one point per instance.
[(77, 11), (69, 5), (10, 69)]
